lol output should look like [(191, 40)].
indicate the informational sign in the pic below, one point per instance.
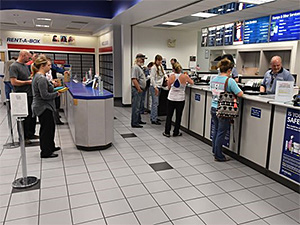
[(230, 7), (228, 34), (19, 105), (284, 91), (256, 30), (23, 40), (211, 36), (285, 26), (255, 112), (290, 160), (238, 32), (204, 35), (220, 35), (59, 39), (227, 136), (197, 97)]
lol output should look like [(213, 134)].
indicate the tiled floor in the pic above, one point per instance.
[(117, 185)]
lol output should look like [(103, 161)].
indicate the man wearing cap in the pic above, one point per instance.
[(138, 81)]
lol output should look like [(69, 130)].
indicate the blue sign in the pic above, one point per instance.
[(228, 34), (255, 112), (197, 97), (227, 136), (290, 160), (256, 30), (285, 26)]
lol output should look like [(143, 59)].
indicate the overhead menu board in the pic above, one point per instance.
[(204, 34), (228, 34), (211, 36), (285, 26), (238, 33), (220, 35), (256, 30)]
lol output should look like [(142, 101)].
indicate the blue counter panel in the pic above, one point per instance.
[(79, 91)]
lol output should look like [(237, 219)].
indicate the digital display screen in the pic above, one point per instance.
[(228, 34), (211, 36), (238, 33), (285, 26), (230, 7), (220, 35), (204, 35), (256, 30)]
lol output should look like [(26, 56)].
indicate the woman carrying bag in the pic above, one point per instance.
[(221, 122)]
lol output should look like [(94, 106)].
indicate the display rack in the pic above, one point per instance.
[(106, 71)]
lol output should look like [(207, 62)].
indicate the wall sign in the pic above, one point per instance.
[(290, 160), (19, 105), (197, 97), (255, 112), (23, 40)]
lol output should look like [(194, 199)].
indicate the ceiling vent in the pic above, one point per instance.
[(72, 28), (77, 24), (8, 24)]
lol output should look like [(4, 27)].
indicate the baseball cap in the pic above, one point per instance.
[(141, 56)]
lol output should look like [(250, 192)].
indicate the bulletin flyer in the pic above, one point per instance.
[(290, 160)]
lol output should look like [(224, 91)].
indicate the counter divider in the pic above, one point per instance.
[(205, 103), (270, 136)]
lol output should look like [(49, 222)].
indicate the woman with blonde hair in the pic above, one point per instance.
[(176, 98), (157, 75), (43, 105)]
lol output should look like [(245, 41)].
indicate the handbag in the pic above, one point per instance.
[(228, 105)]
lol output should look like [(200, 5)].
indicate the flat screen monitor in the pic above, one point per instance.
[(220, 35), (228, 34), (285, 26), (256, 30), (204, 35), (230, 7), (238, 32), (211, 36)]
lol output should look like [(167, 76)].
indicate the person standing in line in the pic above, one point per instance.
[(157, 75), (138, 84), (176, 99), (20, 79), (33, 58), (43, 105), (7, 83), (234, 72), (221, 125), (147, 74), (277, 72), (173, 61)]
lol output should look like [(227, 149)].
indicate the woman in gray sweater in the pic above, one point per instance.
[(43, 105)]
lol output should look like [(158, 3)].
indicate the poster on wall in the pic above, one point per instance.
[(238, 33), (59, 39), (211, 36), (290, 160), (227, 136), (204, 34)]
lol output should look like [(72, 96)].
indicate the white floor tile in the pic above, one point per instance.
[(142, 202), (157, 186), (198, 179), (115, 208), (151, 216), (209, 189), (87, 213), (80, 188), (283, 204), (22, 211), (264, 192), (134, 190), (54, 205), (124, 219), (202, 205), (110, 195), (262, 209), (25, 221), (295, 214), (256, 222), (192, 220), (179, 182), (128, 180), (216, 176), (229, 185), (244, 196), (280, 188), (280, 219), (81, 200), (224, 200), (295, 197), (189, 193), (53, 192), (62, 217), (216, 218), (4, 199), (240, 214), (105, 184), (166, 197), (177, 210)]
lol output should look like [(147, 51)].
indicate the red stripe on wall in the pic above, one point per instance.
[(106, 49), (50, 48)]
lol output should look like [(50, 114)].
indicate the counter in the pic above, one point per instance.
[(90, 116), (2, 88), (258, 138)]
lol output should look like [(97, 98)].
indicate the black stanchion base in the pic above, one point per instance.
[(11, 145), (25, 182)]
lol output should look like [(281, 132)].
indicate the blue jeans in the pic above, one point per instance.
[(154, 104), (136, 99), (221, 127), (8, 88), (142, 109)]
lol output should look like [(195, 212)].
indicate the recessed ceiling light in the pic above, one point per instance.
[(257, 2), (39, 25), (204, 14), (45, 19), (172, 23)]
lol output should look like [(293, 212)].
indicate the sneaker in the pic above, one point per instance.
[(166, 135), (137, 126), (142, 122), (34, 137), (156, 122), (222, 160), (56, 149), (179, 134), (53, 155)]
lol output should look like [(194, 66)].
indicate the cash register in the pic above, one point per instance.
[(203, 78), (250, 84)]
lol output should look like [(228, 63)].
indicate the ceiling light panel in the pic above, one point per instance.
[(172, 23), (204, 14), (256, 2)]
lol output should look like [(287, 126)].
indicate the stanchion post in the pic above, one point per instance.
[(13, 144)]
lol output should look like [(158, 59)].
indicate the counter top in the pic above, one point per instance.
[(284, 104), (259, 98), (79, 91)]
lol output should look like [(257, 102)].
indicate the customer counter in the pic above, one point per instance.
[(90, 116), (261, 135)]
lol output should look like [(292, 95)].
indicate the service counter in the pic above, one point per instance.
[(2, 89), (90, 116), (257, 136)]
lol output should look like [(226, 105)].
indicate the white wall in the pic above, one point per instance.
[(154, 41)]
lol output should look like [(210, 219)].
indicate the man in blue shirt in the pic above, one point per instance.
[(277, 72)]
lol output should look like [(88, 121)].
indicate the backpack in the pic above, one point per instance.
[(228, 105)]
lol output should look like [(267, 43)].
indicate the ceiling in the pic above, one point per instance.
[(146, 13)]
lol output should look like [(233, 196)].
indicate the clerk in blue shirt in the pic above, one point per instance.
[(277, 72)]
